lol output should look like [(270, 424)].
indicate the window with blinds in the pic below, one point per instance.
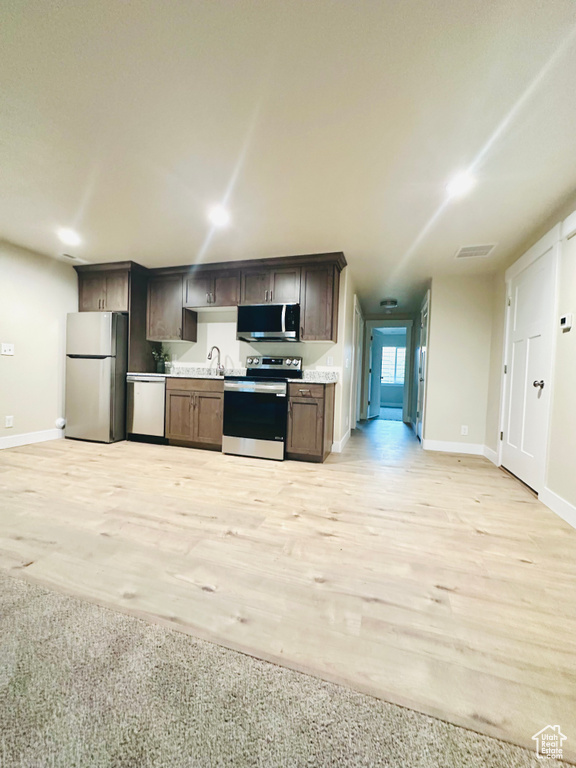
[(393, 362)]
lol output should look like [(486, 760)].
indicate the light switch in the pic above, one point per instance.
[(7, 349), (329, 360), (9, 422)]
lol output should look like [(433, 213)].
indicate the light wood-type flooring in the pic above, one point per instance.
[(431, 580)]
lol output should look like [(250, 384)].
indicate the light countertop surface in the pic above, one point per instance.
[(192, 372)]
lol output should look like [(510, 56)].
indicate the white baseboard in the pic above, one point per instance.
[(31, 437), (338, 446), (560, 506), (475, 449), (491, 455)]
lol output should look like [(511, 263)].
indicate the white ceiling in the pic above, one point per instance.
[(324, 125)]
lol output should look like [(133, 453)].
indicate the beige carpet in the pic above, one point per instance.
[(85, 687)]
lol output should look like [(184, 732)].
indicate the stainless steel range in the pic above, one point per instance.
[(255, 407)]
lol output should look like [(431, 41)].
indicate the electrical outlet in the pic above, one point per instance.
[(347, 363), (329, 360), (7, 349), (464, 429), (9, 421)]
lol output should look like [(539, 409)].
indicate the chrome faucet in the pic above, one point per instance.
[(220, 367)]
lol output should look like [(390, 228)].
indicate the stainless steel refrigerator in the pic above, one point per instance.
[(96, 359)]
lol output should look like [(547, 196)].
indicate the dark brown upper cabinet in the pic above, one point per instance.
[(103, 291), (212, 289), (167, 319), (119, 287), (255, 286), (271, 286), (319, 302)]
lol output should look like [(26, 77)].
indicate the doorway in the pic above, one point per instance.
[(387, 378)]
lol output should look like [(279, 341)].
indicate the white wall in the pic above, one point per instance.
[(36, 293), (561, 477), (560, 490), (458, 360), (219, 328)]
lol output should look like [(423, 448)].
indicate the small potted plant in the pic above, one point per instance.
[(160, 356)]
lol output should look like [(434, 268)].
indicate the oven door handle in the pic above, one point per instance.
[(249, 388)]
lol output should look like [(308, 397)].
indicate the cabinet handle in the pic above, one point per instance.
[(270, 295), (211, 298), (304, 391), (265, 295), (301, 330), (207, 298), (180, 332)]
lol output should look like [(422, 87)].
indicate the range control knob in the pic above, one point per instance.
[(288, 361), (256, 360), (248, 361)]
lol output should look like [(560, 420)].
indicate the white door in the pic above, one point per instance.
[(375, 378), (529, 367), (422, 363)]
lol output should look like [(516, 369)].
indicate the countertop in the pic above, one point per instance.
[(193, 372)]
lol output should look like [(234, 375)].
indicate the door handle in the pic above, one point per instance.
[(538, 384)]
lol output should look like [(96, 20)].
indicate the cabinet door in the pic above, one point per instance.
[(208, 412), (285, 285), (226, 288), (92, 292), (179, 423), (305, 426), (198, 290), (164, 315), (255, 286), (318, 319), (117, 291)]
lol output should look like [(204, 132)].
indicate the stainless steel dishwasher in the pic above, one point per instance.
[(146, 405)]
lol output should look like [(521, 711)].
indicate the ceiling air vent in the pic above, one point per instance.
[(475, 251)]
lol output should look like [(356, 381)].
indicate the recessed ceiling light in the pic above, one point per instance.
[(219, 216), (68, 236), (460, 185)]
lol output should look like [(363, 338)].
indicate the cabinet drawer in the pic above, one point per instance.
[(306, 389), (195, 385)]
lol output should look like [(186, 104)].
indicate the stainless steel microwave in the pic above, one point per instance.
[(268, 322)]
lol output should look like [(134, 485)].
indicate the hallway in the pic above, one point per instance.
[(430, 580)]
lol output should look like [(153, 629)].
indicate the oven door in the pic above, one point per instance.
[(255, 415)]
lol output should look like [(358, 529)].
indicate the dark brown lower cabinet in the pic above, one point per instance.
[(310, 421), (194, 411)]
